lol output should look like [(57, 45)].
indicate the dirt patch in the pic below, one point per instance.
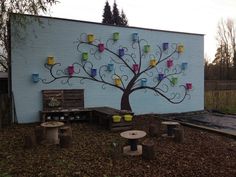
[(93, 154)]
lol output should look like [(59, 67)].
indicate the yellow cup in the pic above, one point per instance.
[(128, 117), (116, 118)]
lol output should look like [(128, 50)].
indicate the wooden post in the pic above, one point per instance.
[(179, 135), (65, 141), (39, 134), (154, 130), (29, 141), (65, 130), (148, 150)]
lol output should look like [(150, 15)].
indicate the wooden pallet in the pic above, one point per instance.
[(62, 103), (66, 99)]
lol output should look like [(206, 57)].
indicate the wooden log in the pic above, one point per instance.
[(65, 141), (179, 135), (39, 134), (65, 130), (154, 130), (29, 141), (148, 152)]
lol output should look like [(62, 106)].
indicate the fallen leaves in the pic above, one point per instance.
[(96, 152)]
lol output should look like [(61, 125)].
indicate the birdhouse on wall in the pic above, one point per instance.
[(101, 47), (135, 67), (180, 48), (153, 62), (90, 38), (174, 81), (121, 52), (71, 70), (143, 82), (93, 72), (116, 36), (160, 77), (117, 81), (51, 60), (147, 48), (165, 45), (85, 55), (35, 77), (135, 37), (110, 67), (189, 86), (169, 63), (184, 65)]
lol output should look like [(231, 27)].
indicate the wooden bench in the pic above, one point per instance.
[(103, 117), (68, 105)]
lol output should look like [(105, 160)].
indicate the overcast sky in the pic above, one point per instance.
[(193, 16)]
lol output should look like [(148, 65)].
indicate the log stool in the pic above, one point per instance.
[(179, 135), (29, 141), (154, 130), (170, 127), (65, 137), (148, 150), (65, 141)]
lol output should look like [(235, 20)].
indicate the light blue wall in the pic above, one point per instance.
[(56, 37)]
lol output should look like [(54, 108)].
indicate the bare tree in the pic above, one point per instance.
[(17, 6), (227, 44)]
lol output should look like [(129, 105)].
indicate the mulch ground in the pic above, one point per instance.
[(202, 154)]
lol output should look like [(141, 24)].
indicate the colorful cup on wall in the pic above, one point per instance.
[(147, 48), (165, 45), (35, 77), (90, 38), (153, 62), (189, 86), (93, 72), (116, 36), (51, 60), (160, 77), (135, 37), (110, 67), (135, 67), (169, 63), (143, 82), (71, 70), (117, 81), (101, 47), (85, 55), (174, 80), (121, 52), (180, 48), (184, 65)]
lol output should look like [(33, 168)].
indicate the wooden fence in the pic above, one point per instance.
[(220, 95), (5, 116)]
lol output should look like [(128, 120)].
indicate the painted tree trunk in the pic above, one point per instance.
[(125, 104)]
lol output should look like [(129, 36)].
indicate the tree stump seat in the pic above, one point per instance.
[(148, 150)]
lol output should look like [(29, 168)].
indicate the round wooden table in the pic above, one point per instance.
[(170, 127), (52, 131), (133, 135)]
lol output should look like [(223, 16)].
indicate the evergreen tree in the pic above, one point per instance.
[(116, 15), (124, 20), (107, 15)]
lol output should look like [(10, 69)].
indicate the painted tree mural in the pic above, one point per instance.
[(139, 66)]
